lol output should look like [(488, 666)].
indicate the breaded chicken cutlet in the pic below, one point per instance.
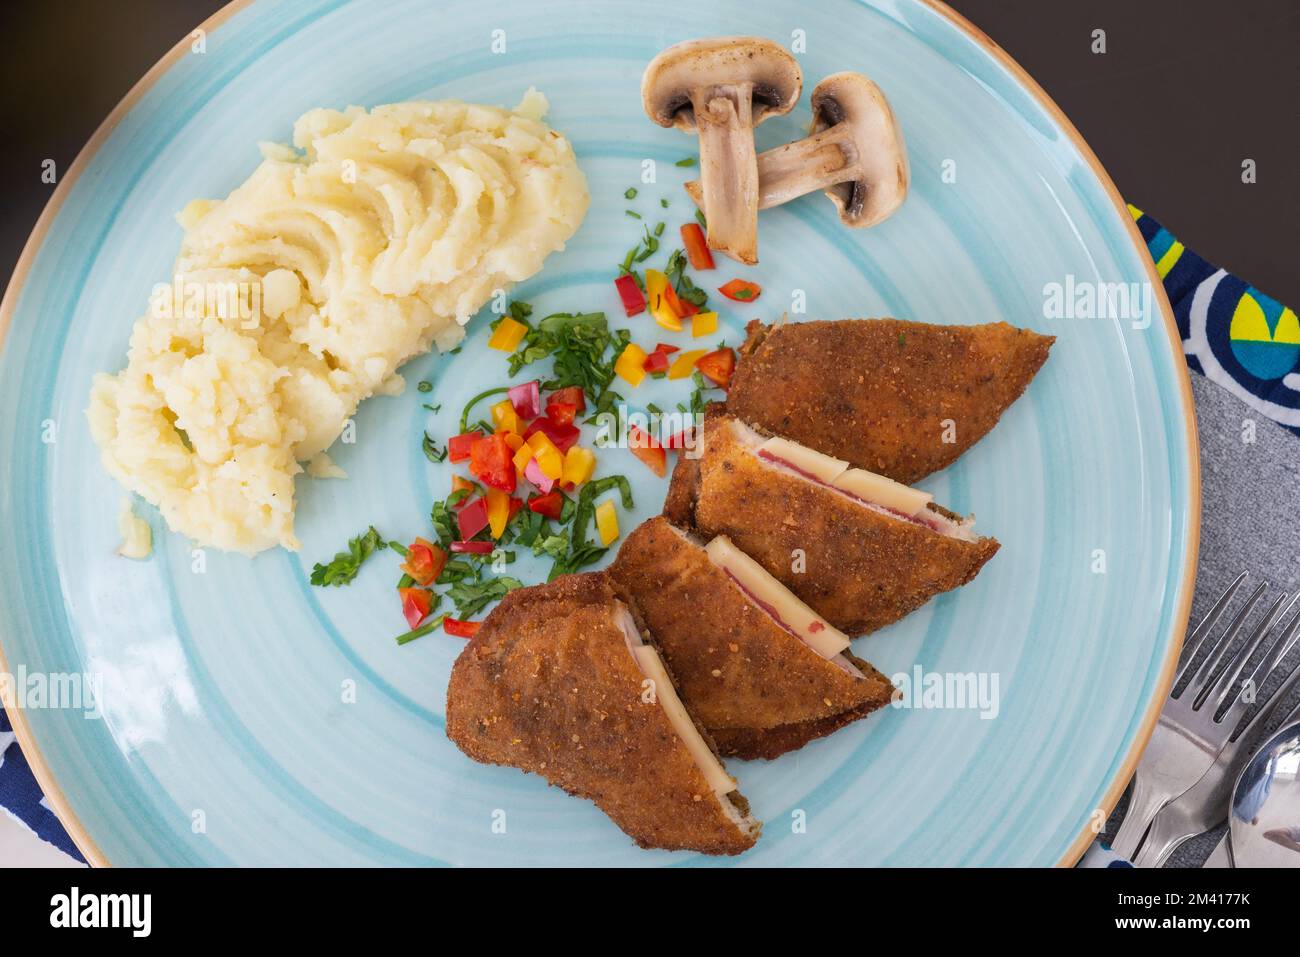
[(760, 670), (560, 682), (880, 393), (859, 549)]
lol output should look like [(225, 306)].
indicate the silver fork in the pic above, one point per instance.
[(1189, 736), (1205, 805)]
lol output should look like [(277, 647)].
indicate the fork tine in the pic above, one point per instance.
[(1285, 642), (1211, 618), (1270, 665), (1221, 685), (1276, 698), (1225, 641)]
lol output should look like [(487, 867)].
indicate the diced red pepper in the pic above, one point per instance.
[(459, 446), (563, 437), (471, 519), (718, 366), (515, 505), (697, 247), (688, 308), (675, 304), (416, 605), (573, 395), (631, 294), (561, 413), (741, 290), (656, 362), (647, 448), (527, 399), (461, 629), (474, 548), (424, 561), (551, 505), (492, 462)]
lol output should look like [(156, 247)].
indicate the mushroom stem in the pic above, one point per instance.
[(796, 169), (728, 169)]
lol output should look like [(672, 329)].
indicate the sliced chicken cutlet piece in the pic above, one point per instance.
[(746, 654), (860, 550), (560, 682), (879, 393)]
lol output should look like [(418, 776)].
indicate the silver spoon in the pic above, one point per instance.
[(1264, 820)]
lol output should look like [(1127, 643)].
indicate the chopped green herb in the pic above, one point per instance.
[(583, 350), (435, 409), (464, 415), (659, 230), (663, 203), (343, 567), (685, 162), (699, 218), (429, 626), (424, 386), (630, 193), (634, 215), (431, 450), (902, 340), (471, 597)]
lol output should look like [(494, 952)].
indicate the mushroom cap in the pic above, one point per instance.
[(853, 99), (671, 76)]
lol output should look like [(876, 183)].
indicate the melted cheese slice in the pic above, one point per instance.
[(879, 490), (824, 468), (861, 484), (652, 667), (808, 626)]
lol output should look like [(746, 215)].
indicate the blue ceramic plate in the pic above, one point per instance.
[(225, 736)]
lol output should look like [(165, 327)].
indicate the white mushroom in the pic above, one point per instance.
[(721, 88), (854, 152)]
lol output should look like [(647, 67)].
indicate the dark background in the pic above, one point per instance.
[(1186, 90)]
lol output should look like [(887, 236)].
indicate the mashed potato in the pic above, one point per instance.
[(302, 292)]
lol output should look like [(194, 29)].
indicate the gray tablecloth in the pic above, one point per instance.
[(1250, 508)]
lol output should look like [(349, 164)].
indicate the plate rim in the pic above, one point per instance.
[(1192, 520)]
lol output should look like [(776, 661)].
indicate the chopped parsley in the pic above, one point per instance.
[(343, 567), (630, 193), (424, 386), (431, 450), (471, 597), (685, 162)]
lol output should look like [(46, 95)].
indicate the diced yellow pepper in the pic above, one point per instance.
[(505, 417), (550, 461), (579, 463), (704, 324), (606, 522), (522, 455), (507, 335), (631, 364), (655, 284), (540, 440), (514, 440), (684, 364), (498, 509)]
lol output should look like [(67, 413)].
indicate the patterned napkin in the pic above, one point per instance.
[(1234, 335)]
